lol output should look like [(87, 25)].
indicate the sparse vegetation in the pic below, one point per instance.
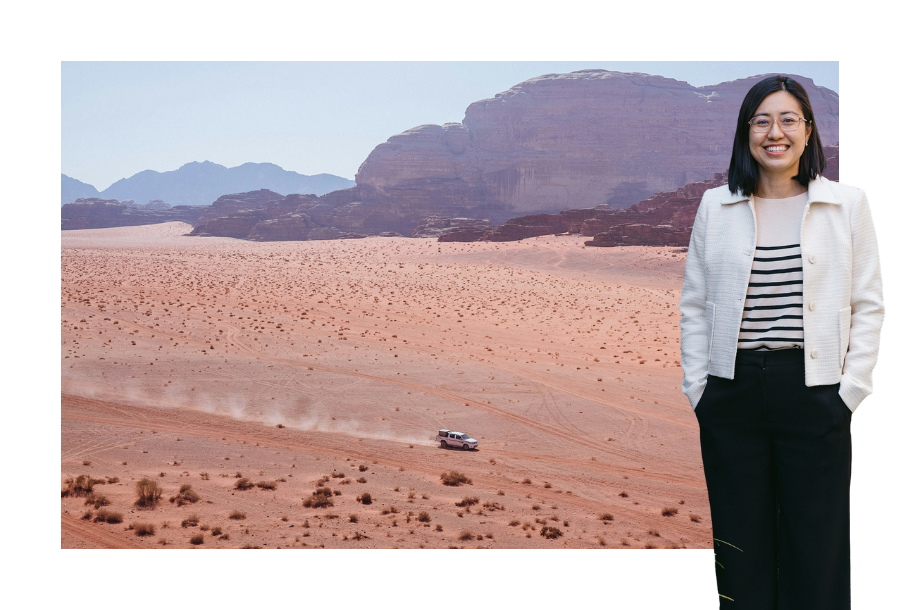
[(365, 498), (80, 486), (149, 492), (526, 481), (197, 539), (204, 476), (669, 512), (606, 517), (354, 518), (363, 468), (466, 535), (143, 529), (439, 528), (269, 485), (186, 495), (243, 484), (468, 501), (237, 515), (97, 500), (454, 478), (550, 532), (695, 518), (107, 516), (514, 523), (624, 494), (361, 480), (424, 517), (191, 521), (216, 531), (320, 498)]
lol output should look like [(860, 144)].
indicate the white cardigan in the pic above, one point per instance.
[(843, 307)]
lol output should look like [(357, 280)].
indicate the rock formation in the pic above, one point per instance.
[(561, 141), (96, 213)]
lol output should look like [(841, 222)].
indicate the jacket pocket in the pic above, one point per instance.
[(845, 333), (710, 329)]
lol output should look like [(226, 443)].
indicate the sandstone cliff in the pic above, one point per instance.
[(95, 213)]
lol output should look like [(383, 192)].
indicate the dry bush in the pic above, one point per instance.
[(204, 476), (225, 537), (248, 546), (197, 539), (204, 528), (514, 523), (354, 518), (466, 535), (216, 531), (270, 485), (606, 517), (492, 506), (365, 498), (321, 482), (624, 494), (345, 482), (86, 463), (424, 517), (243, 484), (695, 518), (97, 500), (320, 498), (148, 492), (143, 529), (191, 521), (108, 516), (669, 512), (237, 515), (338, 475), (649, 546), (80, 486), (454, 478), (550, 532), (547, 485), (535, 507), (653, 533), (439, 528), (358, 536), (112, 480), (526, 481), (601, 541), (361, 480), (363, 468), (87, 515), (186, 495), (468, 501)]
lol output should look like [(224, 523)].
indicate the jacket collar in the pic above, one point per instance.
[(820, 190)]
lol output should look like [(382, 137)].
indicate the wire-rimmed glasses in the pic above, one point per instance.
[(787, 122)]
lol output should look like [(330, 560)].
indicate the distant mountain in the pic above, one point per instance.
[(73, 189), (202, 183)]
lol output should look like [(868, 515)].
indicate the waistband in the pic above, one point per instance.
[(769, 357)]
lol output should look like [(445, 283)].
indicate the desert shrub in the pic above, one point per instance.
[(87, 515), (197, 539), (550, 532), (624, 494), (338, 475), (320, 498), (97, 500), (606, 517), (669, 512), (361, 480), (80, 486), (468, 501), (108, 516), (514, 523), (186, 495), (204, 528), (204, 476), (365, 498), (337, 492), (354, 518), (653, 533), (112, 480), (191, 521), (526, 481), (535, 507), (270, 485), (148, 492), (492, 506), (466, 535), (363, 468), (695, 518), (439, 528), (424, 517), (143, 529), (237, 515), (225, 537), (454, 478), (86, 463), (243, 484)]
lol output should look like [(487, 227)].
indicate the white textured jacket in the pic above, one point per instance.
[(842, 297)]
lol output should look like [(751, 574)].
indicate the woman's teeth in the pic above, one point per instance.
[(781, 148)]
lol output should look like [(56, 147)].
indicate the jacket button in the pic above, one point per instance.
[(812, 259), (814, 354), (812, 306)]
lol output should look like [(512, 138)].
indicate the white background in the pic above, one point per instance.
[(35, 40)]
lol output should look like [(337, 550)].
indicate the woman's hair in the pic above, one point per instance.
[(743, 173)]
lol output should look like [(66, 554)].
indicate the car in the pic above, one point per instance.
[(449, 438)]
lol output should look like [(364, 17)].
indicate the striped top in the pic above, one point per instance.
[(773, 309)]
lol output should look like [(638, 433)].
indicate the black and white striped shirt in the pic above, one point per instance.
[(773, 309)]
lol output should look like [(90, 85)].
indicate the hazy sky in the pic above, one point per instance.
[(119, 118)]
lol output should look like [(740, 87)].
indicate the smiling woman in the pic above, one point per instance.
[(781, 317)]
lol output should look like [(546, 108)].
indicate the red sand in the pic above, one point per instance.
[(181, 355)]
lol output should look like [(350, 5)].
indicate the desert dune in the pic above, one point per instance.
[(300, 366)]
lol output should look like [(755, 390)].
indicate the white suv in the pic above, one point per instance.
[(456, 439)]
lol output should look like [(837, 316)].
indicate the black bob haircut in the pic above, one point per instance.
[(743, 173)]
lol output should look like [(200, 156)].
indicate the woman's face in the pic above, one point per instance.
[(778, 152)]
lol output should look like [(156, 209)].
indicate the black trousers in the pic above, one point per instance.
[(776, 455)]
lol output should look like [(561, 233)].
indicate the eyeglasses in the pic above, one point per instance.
[(788, 122)]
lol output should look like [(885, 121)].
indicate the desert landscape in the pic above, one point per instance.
[(287, 394)]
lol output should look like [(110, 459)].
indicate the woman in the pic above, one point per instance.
[(781, 315)]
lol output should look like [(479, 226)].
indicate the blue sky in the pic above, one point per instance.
[(119, 118)]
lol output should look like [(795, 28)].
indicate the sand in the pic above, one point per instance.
[(200, 361)]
